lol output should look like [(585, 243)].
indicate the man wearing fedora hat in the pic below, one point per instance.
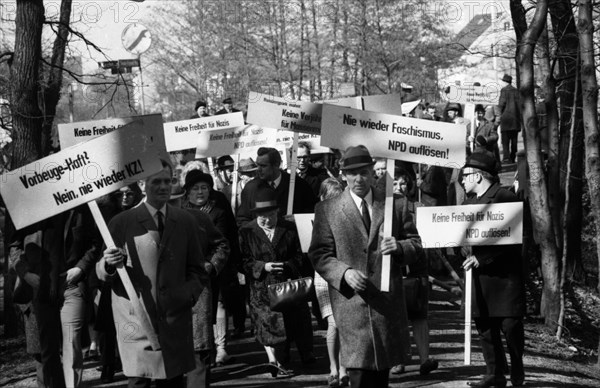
[(346, 250), (269, 174), (227, 107), (509, 119), (498, 285)]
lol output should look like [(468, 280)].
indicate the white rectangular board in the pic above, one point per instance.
[(70, 134), (395, 137), (79, 174), (283, 113), (182, 135), (485, 95), (486, 224)]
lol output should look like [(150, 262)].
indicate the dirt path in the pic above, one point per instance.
[(546, 366)]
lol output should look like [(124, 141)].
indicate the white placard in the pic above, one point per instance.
[(484, 95), (79, 174), (70, 134), (283, 113), (304, 225), (485, 224), (384, 103), (395, 137), (233, 141), (182, 135)]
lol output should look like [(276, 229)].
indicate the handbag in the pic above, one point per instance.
[(285, 295)]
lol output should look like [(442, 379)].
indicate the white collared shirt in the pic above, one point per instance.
[(358, 201), (153, 212), (276, 182)]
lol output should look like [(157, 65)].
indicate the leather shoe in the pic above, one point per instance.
[(428, 366), (345, 381), (489, 381), (517, 381), (397, 369)]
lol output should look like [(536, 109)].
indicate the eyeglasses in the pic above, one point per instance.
[(302, 157), (126, 194)]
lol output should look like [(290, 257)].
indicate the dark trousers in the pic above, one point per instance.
[(491, 344), (143, 382), (363, 378), (509, 145), (298, 329), (235, 305)]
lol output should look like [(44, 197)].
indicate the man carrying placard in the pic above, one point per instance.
[(498, 287), (346, 250), (164, 261)]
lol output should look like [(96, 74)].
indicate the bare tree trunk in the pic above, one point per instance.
[(319, 76), (334, 46), (540, 210), (26, 114), (565, 33), (590, 114), (55, 74)]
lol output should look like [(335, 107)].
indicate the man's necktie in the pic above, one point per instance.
[(365, 215), (161, 224)]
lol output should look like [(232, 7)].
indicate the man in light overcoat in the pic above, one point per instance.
[(160, 248), (346, 250)]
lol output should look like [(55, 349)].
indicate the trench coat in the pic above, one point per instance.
[(373, 325), (509, 109), (169, 276), (273, 327), (498, 285)]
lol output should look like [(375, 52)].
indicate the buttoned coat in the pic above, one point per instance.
[(373, 325), (498, 287), (510, 110), (169, 275), (274, 327)]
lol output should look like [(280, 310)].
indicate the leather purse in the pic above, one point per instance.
[(284, 295)]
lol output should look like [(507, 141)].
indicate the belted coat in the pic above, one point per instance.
[(373, 325)]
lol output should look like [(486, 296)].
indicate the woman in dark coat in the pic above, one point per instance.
[(271, 254), (200, 195)]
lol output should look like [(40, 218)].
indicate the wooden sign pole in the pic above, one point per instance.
[(138, 307)]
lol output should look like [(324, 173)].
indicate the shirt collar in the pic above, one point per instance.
[(358, 200), (153, 210), (277, 181)]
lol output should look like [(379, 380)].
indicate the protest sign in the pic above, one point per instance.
[(79, 174), (304, 225), (70, 134), (350, 102), (484, 95), (283, 113), (182, 135), (481, 224), (243, 140), (395, 137)]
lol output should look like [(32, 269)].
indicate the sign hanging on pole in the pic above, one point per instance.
[(282, 113), (395, 137), (182, 135), (78, 174)]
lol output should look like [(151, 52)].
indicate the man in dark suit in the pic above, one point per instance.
[(270, 174), (498, 286), (161, 251), (227, 107), (509, 119), (306, 171), (346, 250)]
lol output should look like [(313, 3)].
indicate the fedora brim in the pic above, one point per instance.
[(356, 165), (264, 206)]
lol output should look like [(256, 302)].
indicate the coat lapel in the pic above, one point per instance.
[(170, 227), (144, 218), (351, 212), (378, 213)]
